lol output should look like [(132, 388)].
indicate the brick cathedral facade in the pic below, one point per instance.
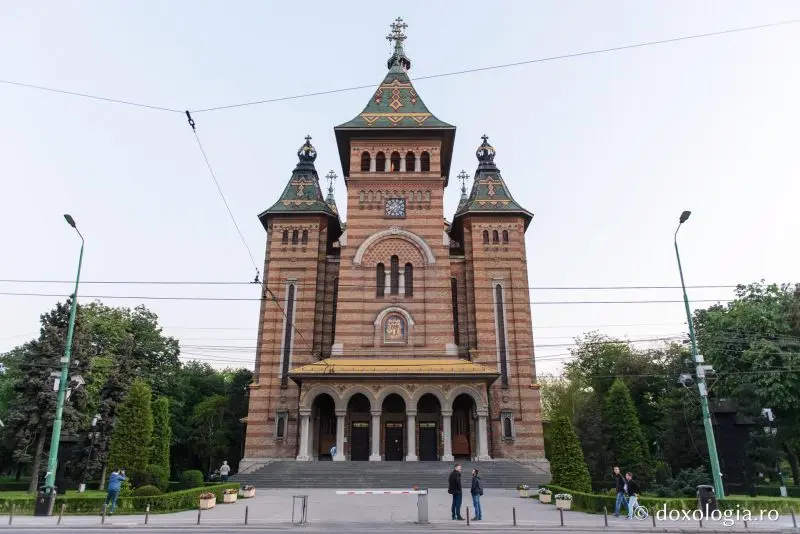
[(396, 336)]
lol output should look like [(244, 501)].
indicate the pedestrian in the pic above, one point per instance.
[(632, 488), (114, 486), (477, 490), (454, 489), (224, 470), (333, 452), (619, 484)]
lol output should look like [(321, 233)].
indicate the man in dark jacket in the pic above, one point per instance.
[(454, 489), (619, 484), (477, 490)]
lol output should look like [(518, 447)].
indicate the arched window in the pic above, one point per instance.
[(361, 196), (285, 238), (281, 431), (409, 280), (495, 237), (419, 196), (294, 237), (486, 236), (365, 161), (410, 162), (380, 280), (395, 162), (505, 236), (394, 329), (454, 297), (305, 237), (394, 282), (425, 162), (508, 433), (499, 311), (380, 162)]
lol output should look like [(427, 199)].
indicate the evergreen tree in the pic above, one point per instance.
[(133, 430), (623, 433), (162, 435), (566, 458)]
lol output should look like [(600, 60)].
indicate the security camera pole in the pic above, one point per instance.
[(701, 381)]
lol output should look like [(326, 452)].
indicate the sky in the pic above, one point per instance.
[(605, 149)]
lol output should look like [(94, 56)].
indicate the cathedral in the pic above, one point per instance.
[(398, 335)]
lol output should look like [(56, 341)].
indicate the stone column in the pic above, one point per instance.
[(483, 437), (375, 426), (372, 165), (305, 416), (448, 438), (401, 282), (417, 163), (412, 436), (340, 436)]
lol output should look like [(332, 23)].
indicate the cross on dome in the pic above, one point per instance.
[(331, 176), (397, 34), (398, 58)]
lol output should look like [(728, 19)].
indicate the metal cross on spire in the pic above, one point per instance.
[(463, 177), (308, 139), (485, 138), (397, 34), (331, 176)]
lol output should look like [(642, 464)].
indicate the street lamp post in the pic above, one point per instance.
[(701, 382), (772, 432), (82, 486), (52, 461)]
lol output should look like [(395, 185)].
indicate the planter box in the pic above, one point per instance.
[(523, 493), (546, 499), (248, 494), (228, 498), (207, 504), (563, 504)]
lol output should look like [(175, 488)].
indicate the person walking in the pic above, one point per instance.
[(619, 484), (224, 470), (114, 486), (454, 489), (476, 490), (633, 493)]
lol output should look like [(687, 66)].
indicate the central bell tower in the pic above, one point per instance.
[(394, 259)]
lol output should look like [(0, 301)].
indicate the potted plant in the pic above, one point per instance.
[(545, 495), (248, 492), (207, 500), (229, 495), (523, 490), (563, 501)]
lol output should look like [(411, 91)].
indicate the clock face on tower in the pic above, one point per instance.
[(395, 207)]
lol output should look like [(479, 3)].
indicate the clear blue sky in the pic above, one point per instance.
[(606, 150)]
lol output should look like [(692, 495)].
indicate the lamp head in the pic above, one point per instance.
[(70, 220), (685, 216)]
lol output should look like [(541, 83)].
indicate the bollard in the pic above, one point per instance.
[(199, 511), (61, 513), (246, 512), (514, 514), (794, 520), (745, 524), (103, 515), (605, 514), (147, 514), (701, 523), (11, 515), (467, 515), (561, 513), (653, 517)]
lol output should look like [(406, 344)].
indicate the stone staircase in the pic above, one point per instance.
[(505, 474)]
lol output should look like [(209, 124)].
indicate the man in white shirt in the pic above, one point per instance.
[(224, 471)]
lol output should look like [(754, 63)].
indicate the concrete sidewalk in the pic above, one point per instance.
[(325, 508)]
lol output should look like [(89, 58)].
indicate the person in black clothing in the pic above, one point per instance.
[(619, 484), (477, 490), (454, 489), (632, 488)]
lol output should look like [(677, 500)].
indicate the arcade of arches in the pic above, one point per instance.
[(393, 424)]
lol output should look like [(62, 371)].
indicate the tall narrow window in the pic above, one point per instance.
[(425, 162), (365, 161), (381, 280), (486, 236), (454, 296), (505, 236), (281, 430), (294, 237), (409, 280), (285, 238), (305, 237), (495, 237), (394, 288), (335, 303), (499, 310), (288, 330), (380, 162), (395, 162), (411, 162)]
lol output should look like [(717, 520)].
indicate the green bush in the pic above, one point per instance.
[(566, 457), (160, 476), (154, 475), (147, 491), (191, 479)]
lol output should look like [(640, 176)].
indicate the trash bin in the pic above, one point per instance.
[(44, 502), (706, 499)]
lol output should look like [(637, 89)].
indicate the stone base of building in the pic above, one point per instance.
[(252, 464), (541, 465)]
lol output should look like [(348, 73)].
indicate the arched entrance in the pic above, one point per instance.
[(394, 410), (429, 413), (463, 410), (358, 413), (323, 412)]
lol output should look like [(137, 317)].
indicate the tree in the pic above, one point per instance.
[(623, 433), (162, 434), (566, 458), (130, 442), (210, 436)]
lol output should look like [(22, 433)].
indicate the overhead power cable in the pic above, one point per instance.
[(507, 65)]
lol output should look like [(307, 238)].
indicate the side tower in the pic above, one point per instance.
[(298, 292), (491, 226)]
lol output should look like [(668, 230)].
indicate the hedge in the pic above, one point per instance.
[(177, 501), (730, 489), (594, 503)]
